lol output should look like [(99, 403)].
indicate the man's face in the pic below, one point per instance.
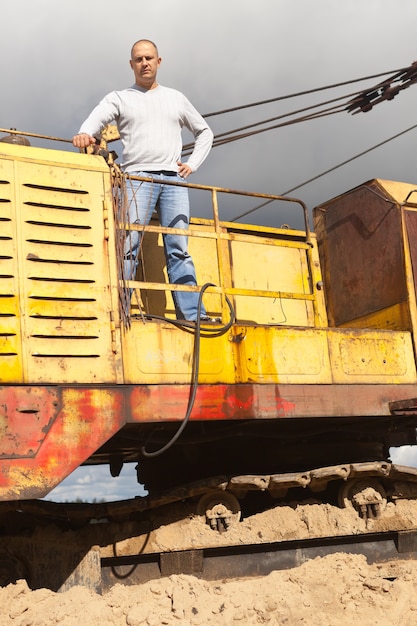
[(145, 63)]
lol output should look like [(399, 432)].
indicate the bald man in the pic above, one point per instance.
[(150, 118)]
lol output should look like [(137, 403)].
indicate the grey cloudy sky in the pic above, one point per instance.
[(58, 59)]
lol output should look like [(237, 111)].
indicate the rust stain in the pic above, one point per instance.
[(213, 402), (46, 433), (26, 416)]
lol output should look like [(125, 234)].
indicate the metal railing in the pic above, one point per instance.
[(221, 231)]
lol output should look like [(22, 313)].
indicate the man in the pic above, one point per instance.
[(150, 118)]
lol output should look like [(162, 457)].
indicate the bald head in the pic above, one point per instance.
[(145, 63), (143, 41)]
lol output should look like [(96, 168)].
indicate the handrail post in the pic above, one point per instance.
[(219, 249)]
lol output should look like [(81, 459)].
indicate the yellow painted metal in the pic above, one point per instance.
[(158, 301), (284, 355), (409, 279), (371, 356), (399, 191), (59, 316), (271, 276), (396, 317), (270, 268), (249, 354), (62, 285), (35, 155), (157, 352), (405, 193), (257, 354), (11, 363), (276, 340)]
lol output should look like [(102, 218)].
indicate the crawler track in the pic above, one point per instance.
[(222, 527), (254, 560)]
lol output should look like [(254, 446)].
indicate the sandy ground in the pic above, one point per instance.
[(338, 589)]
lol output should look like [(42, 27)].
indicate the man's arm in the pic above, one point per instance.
[(105, 112), (83, 140), (203, 136)]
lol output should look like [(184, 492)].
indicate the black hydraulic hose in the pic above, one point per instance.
[(195, 366)]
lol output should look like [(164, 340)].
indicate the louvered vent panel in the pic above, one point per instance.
[(11, 366), (65, 275)]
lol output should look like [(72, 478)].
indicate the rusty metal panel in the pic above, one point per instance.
[(363, 253), (410, 218), (242, 401), (47, 432), (26, 416)]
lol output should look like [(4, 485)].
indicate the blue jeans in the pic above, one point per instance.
[(173, 207)]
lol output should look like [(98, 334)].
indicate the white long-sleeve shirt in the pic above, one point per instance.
[(150, 123)]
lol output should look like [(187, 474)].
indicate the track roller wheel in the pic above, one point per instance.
[(219, 509), (365, 495)]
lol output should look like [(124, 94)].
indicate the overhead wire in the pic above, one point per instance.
[(229, 136), (357, 156), (272, 119), (302, 93), (328, 171), (304, 118), (363, 100)]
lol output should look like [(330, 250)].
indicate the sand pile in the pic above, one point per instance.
[(338, 589)]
